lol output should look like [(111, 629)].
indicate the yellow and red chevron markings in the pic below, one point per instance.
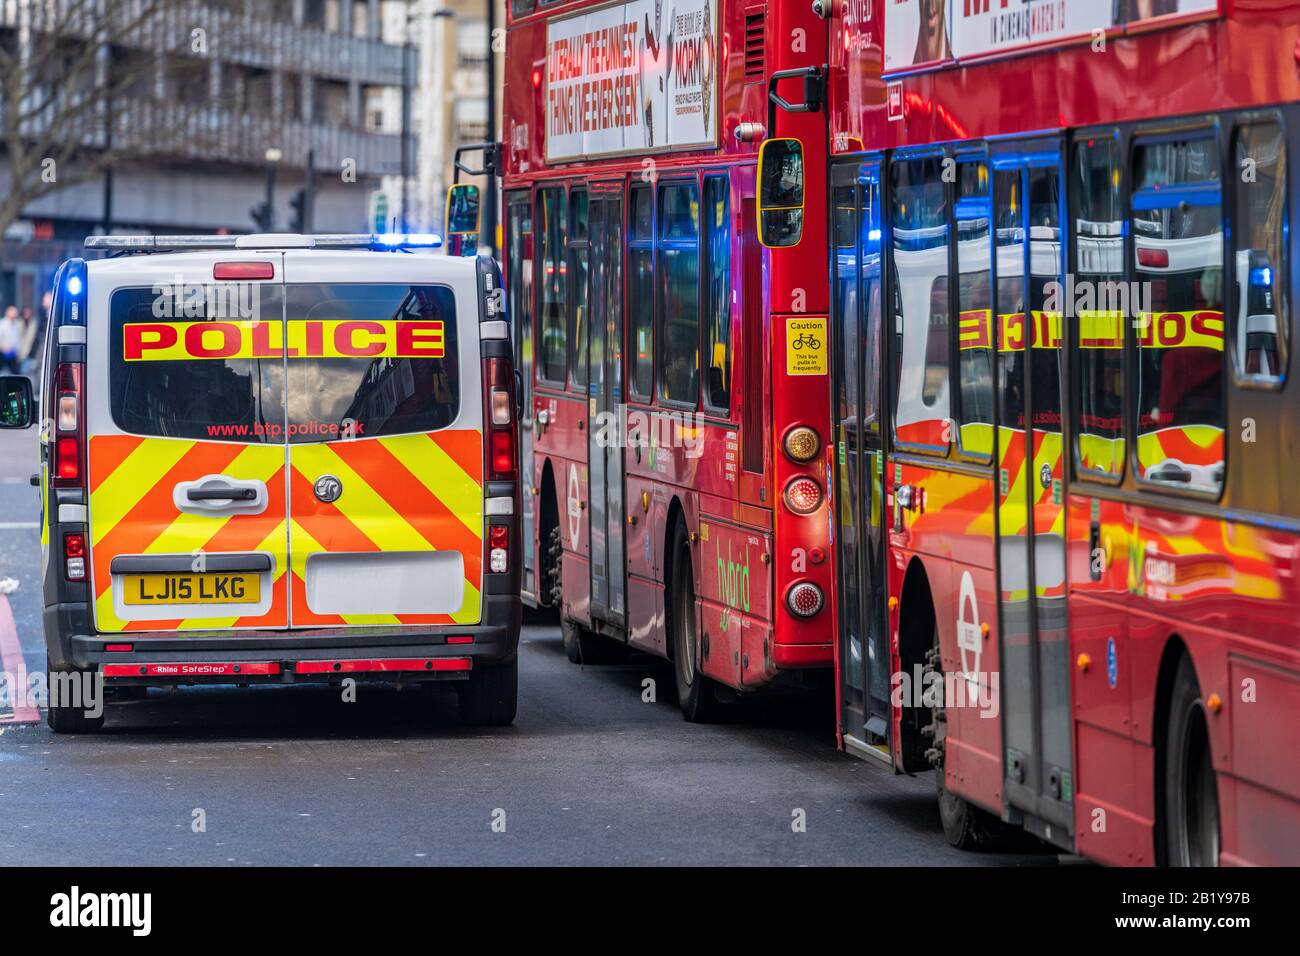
[(408, 493)]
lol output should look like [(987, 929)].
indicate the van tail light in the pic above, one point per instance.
[(498, 548), (243, 270), (74, 556), (503, 451), (69, 425)]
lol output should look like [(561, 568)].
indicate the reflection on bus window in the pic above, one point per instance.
[(640, 293), (1259, 320), (1178, 254), (1045, 307), (1099, 314), (919, 258), (717, 385), (679, 267), (551, 224), (975, 310), (579, 259)]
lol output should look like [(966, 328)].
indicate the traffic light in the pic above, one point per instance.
[(297, 218), (261, 214)]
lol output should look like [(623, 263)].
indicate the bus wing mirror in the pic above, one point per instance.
[(463, 216), (17, 407), (780, 193)]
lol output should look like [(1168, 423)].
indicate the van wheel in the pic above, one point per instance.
[(966, 826), (1191, 811), (695, 692), (491, 695), (583, 646), (66, 717)]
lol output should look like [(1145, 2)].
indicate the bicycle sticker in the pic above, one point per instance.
[(805, 345)]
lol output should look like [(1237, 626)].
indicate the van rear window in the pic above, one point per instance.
[(313, 363)]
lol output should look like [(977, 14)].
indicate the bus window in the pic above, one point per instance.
[(717, 334), (579, 259), (1178, 255), (1044, 319), (640, 292), (1099, 308), (919, 259), (553, 317), (679, 272), (1259, 321), (975, 310)]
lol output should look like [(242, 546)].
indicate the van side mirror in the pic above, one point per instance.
[(463, 219), (17, 406), (780, 193)]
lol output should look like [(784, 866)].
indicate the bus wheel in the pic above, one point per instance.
[(965, 825), (70, 717), (491, 695), (1191, 812), (552, 589), (695, 692), (583, 646)]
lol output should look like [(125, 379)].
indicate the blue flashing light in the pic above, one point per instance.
[(74, 285), (873, 235), (1261, 276), (394, 240)]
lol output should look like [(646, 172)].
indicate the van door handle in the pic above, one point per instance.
[(221, 493)]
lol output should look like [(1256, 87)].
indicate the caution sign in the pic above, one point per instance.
[(805, 345)]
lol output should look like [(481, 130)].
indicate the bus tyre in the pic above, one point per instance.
[(69, 716), (582, 646), (552, 589), (1191, 798), (695, 692), (965, 825), (491, 695)]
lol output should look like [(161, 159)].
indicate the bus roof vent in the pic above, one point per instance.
[(755, 67)]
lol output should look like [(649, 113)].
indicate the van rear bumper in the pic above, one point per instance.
[(72, 643)]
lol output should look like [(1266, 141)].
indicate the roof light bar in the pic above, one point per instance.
[(390, 240)]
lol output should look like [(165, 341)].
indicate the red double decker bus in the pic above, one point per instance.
[(676, 407), (1067, 541)]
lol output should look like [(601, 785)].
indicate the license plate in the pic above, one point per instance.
[(206, 588)]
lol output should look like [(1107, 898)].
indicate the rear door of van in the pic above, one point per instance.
[(384, 420), (186, 475)]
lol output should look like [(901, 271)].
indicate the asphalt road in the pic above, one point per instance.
[(588, 774)]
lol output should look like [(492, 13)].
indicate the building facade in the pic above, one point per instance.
[(252, 89)]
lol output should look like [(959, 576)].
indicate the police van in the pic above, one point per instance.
[(276, 459)]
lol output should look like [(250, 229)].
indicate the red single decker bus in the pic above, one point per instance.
[(677, 403), (1067, 530)]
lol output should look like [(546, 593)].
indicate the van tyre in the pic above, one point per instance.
[(491, 695), (1191, 794), (65, 719), (695, 693), (583, 646), (966, 826)]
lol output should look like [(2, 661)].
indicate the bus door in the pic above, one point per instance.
[(1035, 679), (519, 299), (604, 398), (859, 467)]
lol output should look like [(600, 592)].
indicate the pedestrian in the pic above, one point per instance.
[(10, 335), (26, 356)]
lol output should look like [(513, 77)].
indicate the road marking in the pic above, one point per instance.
[(19, 525), (11, 657)]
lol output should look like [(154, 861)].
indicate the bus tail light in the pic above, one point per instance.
[(803, 496), (802, 444), (1155, 258), (69, 425), (804, 599), (498, 549)]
